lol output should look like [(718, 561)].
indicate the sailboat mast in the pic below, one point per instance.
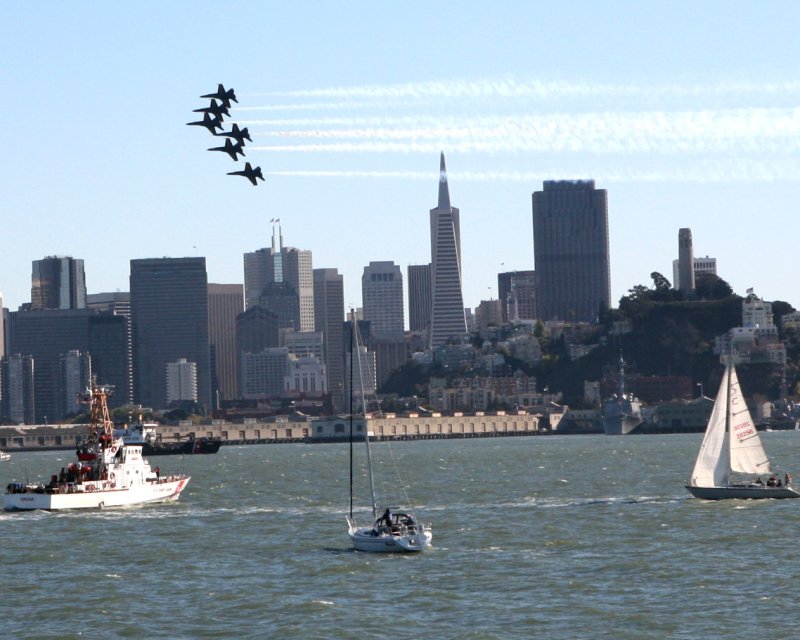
[(351, 435), (357, 349), (728, 415)]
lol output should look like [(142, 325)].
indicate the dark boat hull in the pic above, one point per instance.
[(198, 445), (742, 492)]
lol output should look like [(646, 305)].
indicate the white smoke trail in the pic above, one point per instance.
[(741, 130), (510, 88), (698, 172)]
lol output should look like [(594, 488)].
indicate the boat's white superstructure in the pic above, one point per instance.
[(108, 473), (393, 531), (732, 459)]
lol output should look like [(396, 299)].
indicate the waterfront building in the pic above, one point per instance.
[(382, 298), (448, 321), (225, 302), (58, 282), (571, 250), (329, 319), (419, 297), (517, 293), (169, 313)]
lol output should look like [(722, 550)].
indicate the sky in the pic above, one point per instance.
[(687, 113)]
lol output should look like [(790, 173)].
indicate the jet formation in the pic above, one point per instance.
[(213, 117)]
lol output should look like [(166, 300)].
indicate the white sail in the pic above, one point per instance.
[(711, 469), (747, 452)]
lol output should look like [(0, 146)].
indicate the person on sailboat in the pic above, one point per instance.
[(787, 480), (387, 518)]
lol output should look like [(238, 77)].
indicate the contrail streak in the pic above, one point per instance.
[(745, 130), (703, 172), (510, 88)]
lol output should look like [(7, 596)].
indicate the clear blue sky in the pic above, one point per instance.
[(688, 113)]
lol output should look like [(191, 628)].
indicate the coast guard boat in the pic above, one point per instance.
[(108, 473)]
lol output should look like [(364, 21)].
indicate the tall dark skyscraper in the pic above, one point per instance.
[(329, 319), (419, 297), (447, 311), (225, 302), (570, 248), (169, 315), (58, 283)]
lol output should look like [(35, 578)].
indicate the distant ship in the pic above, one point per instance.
[(145, 434), (622, 413)]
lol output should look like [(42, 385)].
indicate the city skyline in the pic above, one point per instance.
[(347, 125)]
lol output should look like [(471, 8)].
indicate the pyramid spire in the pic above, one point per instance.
[(444, 192)]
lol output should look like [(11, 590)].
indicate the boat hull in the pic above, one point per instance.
[(163, 491), (364, 539), (199, 445), (742, 492)]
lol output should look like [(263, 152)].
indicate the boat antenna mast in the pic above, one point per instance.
[(96, 396)]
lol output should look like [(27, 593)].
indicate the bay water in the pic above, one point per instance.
[(534, 537)]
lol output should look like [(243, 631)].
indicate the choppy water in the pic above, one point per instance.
[(547, 537)]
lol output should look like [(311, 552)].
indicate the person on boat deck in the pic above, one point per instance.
[(387, 518), (787, 480), (759, 481), (772, 482)]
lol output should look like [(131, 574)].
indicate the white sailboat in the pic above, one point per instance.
[(394, 530), (732, 459)]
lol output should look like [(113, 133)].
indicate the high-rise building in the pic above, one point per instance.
[(571, 255), (225, 302), (58, 282), (169, 313), (181, 381), (256, 329), (18, 397), (280, 264), (118, 303), (685, 261), (75, 372), (517, 293), (419, 297), (264, 373), (47, 335), (328, 318), (2, 329), (382, 298), (447, 300)]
